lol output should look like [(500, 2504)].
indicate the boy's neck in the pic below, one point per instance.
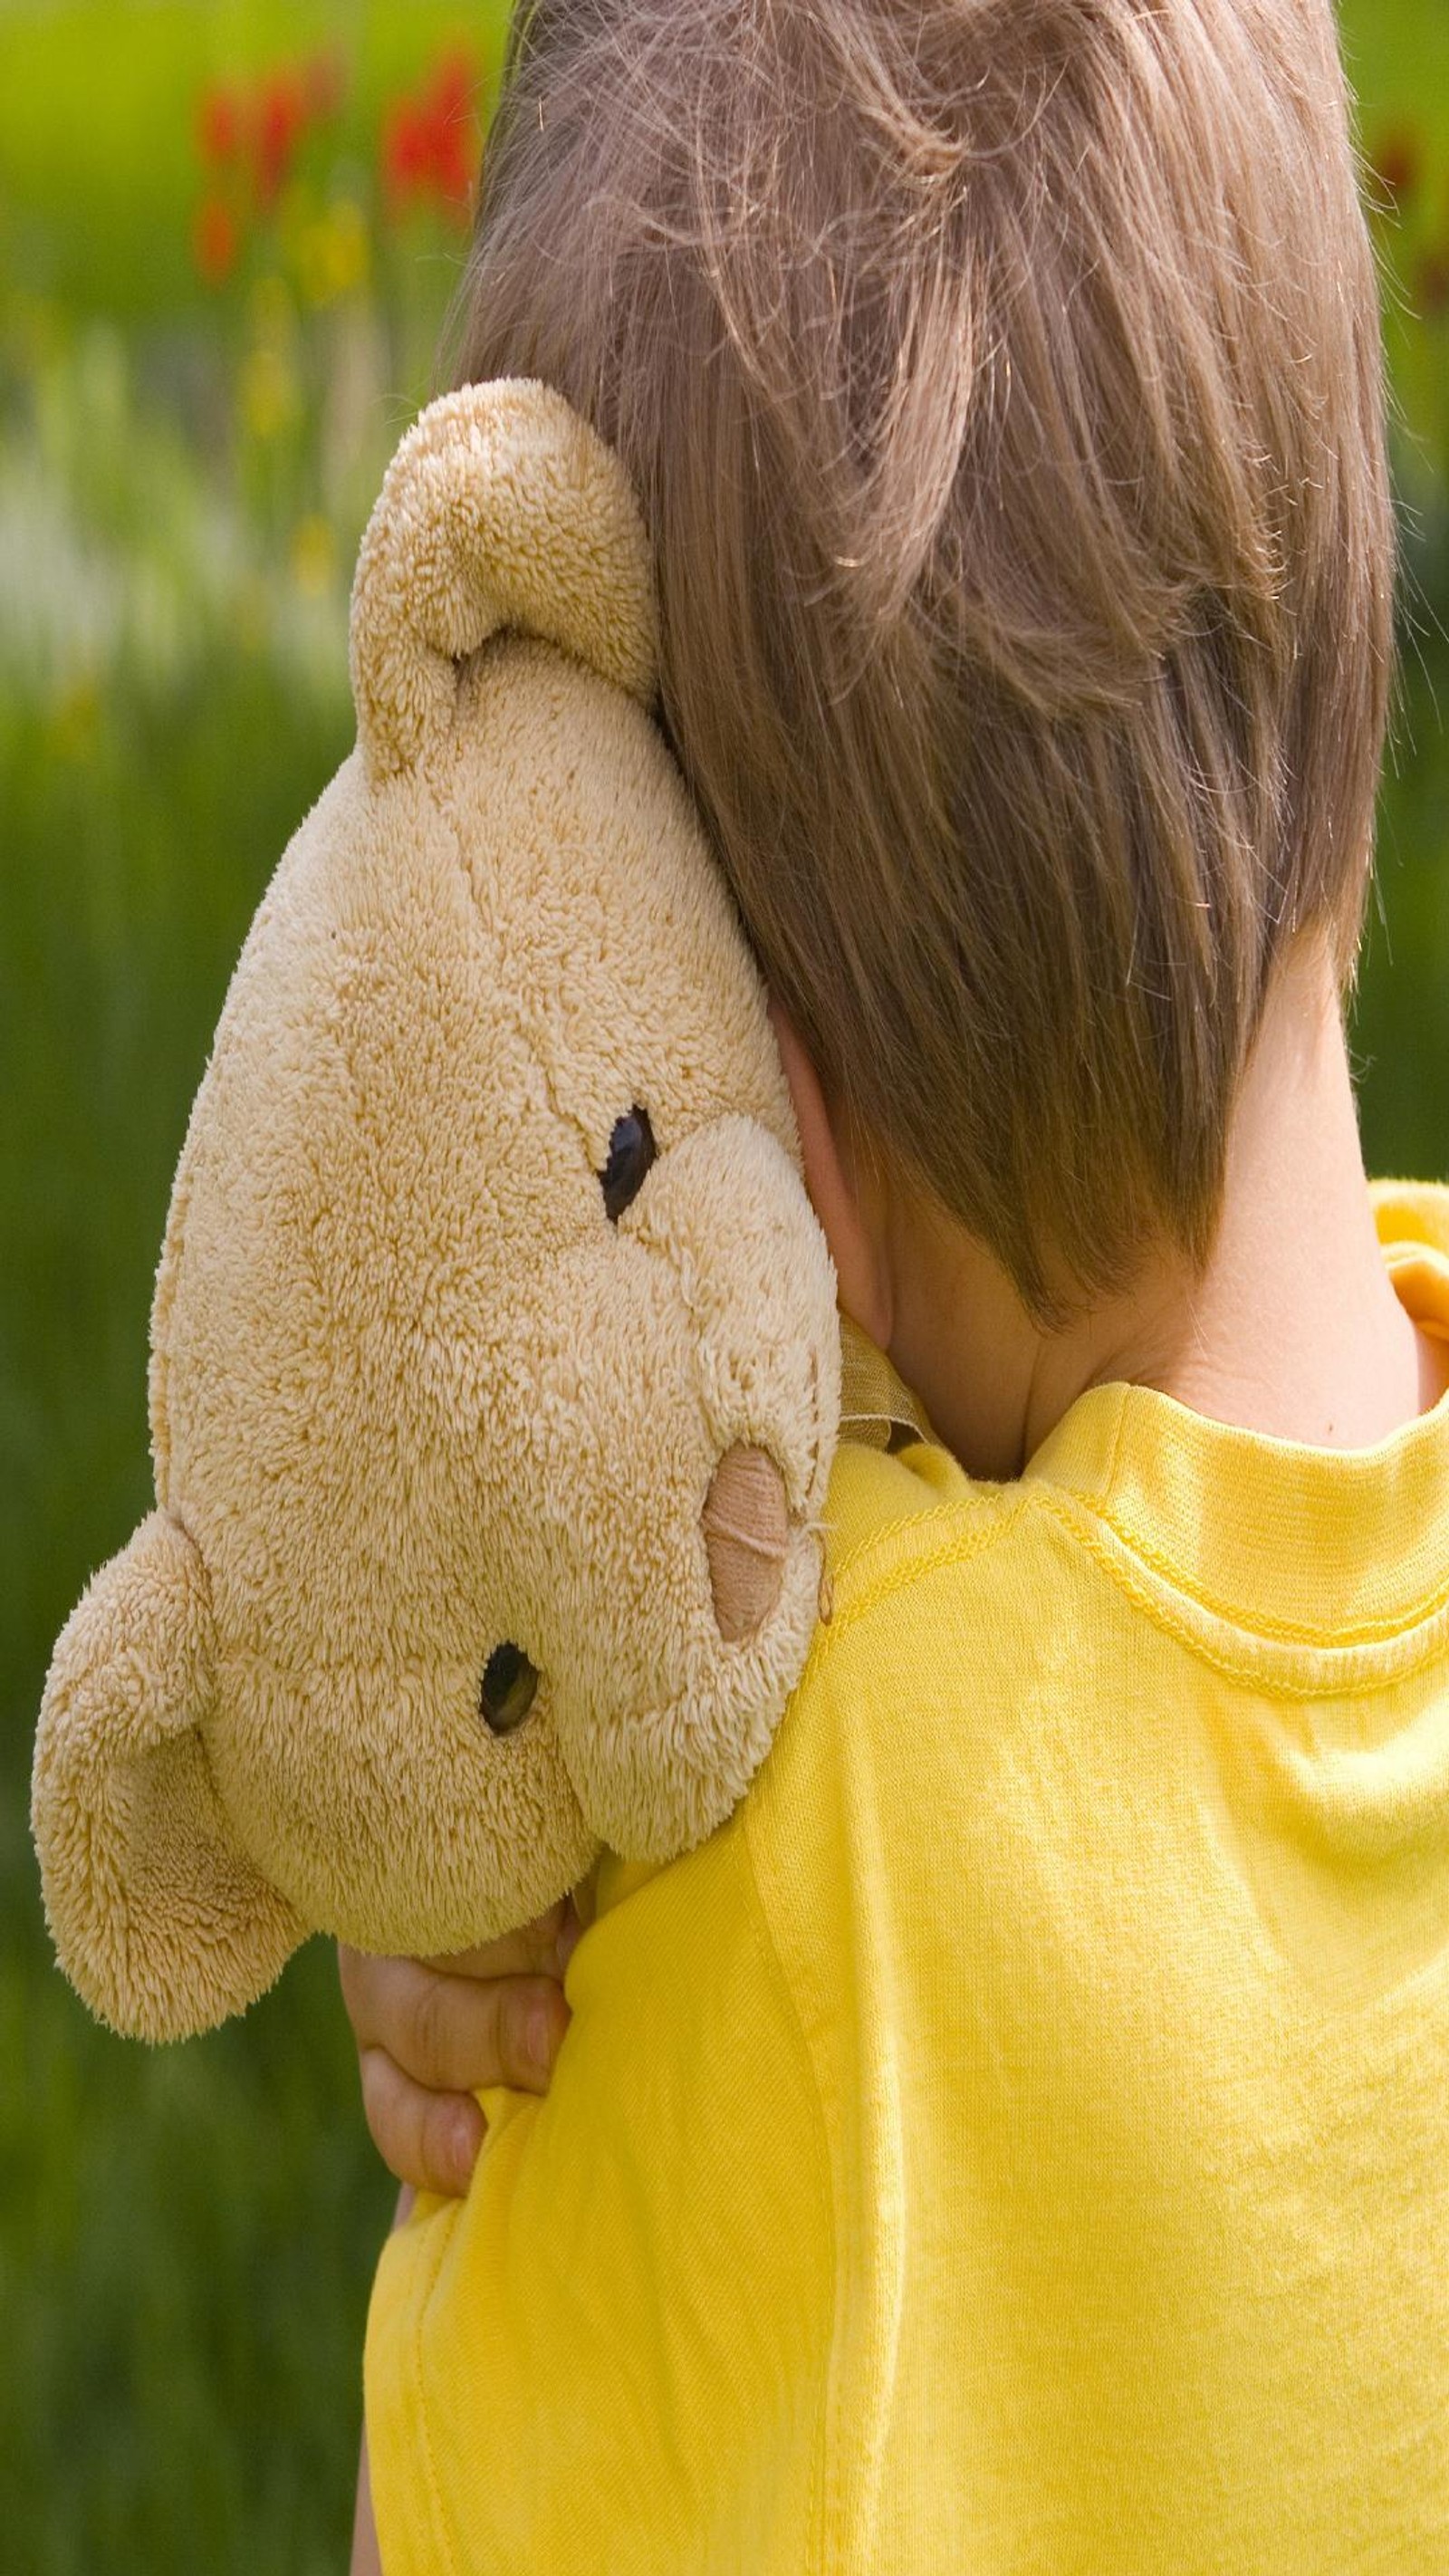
[(1292, 1329)]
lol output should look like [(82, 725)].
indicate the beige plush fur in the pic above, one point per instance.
[(414, 1393)]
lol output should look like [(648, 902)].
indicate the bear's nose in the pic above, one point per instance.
[(746, 1524)]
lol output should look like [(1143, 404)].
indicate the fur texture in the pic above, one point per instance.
[(414, 1393)]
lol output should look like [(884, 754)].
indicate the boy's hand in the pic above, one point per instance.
[(432, 2032)]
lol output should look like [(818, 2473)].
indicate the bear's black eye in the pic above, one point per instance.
[(509, 1682), (631, 1151)]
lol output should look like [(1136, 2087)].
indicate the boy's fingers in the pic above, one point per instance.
[(430, 2140), (453, 2033), (532, 1950)]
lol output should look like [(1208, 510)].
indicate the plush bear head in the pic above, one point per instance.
[(495, 1365)]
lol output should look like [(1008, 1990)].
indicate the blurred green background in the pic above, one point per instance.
[(229, 230)]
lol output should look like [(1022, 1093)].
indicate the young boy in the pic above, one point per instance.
[(1019, 2139)]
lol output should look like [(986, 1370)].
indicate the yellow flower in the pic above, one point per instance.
[(332, 253), (314, 556), (269, 392)]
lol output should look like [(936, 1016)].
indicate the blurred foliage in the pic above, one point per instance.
[(99, 108), (189, 444), (186, 2236), (1397, 52), (228, 233)]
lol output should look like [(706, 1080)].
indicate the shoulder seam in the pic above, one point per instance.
[(986, 1525), (1171, 1608), (1365, 1632)]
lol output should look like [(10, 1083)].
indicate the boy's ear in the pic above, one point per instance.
[(833, 1185), (158, 1919), (501, 508)]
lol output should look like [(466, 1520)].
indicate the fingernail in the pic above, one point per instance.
[(540, 2037)]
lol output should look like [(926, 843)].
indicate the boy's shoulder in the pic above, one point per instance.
[(899, 1505), (887, 1510), (938, 1591), (895, 1492)]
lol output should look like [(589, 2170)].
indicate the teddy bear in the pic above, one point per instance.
[(495, 1364)]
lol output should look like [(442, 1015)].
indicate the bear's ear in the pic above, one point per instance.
[(501, 508), (158, 1919)]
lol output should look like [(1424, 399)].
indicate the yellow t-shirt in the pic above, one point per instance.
[(1019, 2139)]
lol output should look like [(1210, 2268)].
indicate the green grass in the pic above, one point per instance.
[(1401, 1024), (188, 2241), (186, 2237)]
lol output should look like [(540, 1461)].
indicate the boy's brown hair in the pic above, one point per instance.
[(1002, 383)]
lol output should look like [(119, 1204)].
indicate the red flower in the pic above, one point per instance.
[(264, 125), (453, 126), (430, 141), (281, 117), (219, 125), (406, 151), (214, 241), (1396, 162), (452, 99)]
